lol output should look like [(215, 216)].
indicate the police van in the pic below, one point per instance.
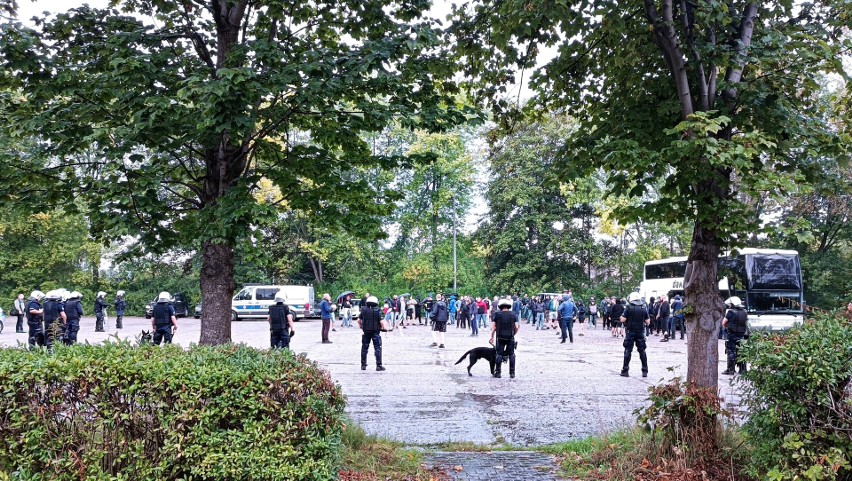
[(253, 301)]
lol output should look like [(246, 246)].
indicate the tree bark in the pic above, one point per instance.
[(217, 287), (701, 288)]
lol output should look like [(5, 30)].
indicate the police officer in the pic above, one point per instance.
[(736, 322), (163, 319), (280, 322), (120, 305), (635, 317), (54, 317), (370, 321), (73, 313), (100, 309), (35, 319), (504, 326)]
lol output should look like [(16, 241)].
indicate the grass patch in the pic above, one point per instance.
[(370, 458), (605, 457)]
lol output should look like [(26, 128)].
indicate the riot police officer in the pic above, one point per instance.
[(504, 326), (120, 305), (35, 319), (100, 310), (736, 322), (635, 317), (280, 322), (73, 313), (370, 322), (54, 317), (163, 320)]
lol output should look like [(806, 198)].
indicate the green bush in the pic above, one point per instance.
[(798, 395), (115, 412)]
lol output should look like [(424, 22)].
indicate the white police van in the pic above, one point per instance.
[(253, 301)]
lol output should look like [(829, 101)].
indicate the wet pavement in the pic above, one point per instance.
[(495, 466), (561, 392)]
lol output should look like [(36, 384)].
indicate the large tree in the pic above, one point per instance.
[(165, 115), (714, 98)]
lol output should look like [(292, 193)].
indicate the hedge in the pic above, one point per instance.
[(798, 392), (116, 412)]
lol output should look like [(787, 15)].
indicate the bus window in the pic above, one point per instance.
[(670, 270), (768, 302)]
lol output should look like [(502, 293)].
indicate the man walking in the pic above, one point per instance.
[(635, 318), (20, 312), (566, 312), (439, 316)]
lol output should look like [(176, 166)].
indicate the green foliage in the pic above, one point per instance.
[(798, 393), (117, 412)]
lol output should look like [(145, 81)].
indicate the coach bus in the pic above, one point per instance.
[(769, 281)]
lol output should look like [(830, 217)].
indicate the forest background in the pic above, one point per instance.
[(520, 229)]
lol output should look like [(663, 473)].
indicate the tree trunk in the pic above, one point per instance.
[(217, 287), (701, 288)]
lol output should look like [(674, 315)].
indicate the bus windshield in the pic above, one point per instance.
[(769, 302)]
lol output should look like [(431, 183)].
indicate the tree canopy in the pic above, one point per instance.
[(163, 116)]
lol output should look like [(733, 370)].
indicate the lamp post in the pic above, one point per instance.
[(455, 261)]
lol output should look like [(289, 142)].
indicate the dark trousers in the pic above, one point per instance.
[(732, 347), (19, 326), (71, 330), (99, 322), (36, 334), (505, 349), (326, 326), (567, 326), (119, 315), (366, 337), (636, 338), (280, 338), (462, 320), (163, 334)]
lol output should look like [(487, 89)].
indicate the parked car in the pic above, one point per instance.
[(253, 301), (198, 311), (180, 301)]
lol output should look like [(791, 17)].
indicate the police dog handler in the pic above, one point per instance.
[(504, 327), (280, 322), (164, 320)]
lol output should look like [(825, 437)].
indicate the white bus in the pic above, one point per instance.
[(769, 281)]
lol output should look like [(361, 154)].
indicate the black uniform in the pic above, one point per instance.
[(615, 313), (35, 322), (505, 322), (636, 315), (737, 327), (120, 305), (53, 327), (100, 306), (278, 326), (73, 312), (371, 324), (163, 312)]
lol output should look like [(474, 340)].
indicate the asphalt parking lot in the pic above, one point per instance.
[(562, 391)]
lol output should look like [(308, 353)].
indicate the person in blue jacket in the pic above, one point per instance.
[(566, 312)]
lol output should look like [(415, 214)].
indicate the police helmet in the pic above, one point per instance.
[(504, 302), (64, 294), (678, 298), (75, 295), (53, 295), (101, 294), (372, 301), (634, 298), (164, 297), (734, 302), (280, 297), (120, 294)]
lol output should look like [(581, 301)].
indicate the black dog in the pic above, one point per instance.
[(144, 339), (478, 353)]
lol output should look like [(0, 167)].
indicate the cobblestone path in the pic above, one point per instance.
[(495, 466)]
